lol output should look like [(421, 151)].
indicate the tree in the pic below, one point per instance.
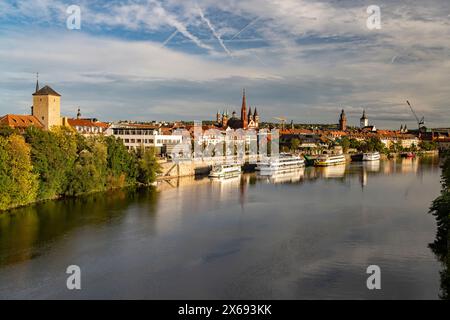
[(345, 144), (53, 154), (89, 172), (6, 131), (295, 144), (121, 163), (18, 183), (374, 144), (428, 145), (5, 175), (355, 144), (148, 166), (441, 211)]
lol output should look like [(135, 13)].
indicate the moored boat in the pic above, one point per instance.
[(309, 160), (283, 163), (408, 155), (367, 156), (225, 170), (329, 160)]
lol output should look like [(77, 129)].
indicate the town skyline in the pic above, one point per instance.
[(166, 60)]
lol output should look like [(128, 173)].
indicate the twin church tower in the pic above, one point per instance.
[(248, 120)]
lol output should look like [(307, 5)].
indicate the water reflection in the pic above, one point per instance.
[(293, 176), (25, 233), (307, 234)]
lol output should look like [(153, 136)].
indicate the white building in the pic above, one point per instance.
[(86, 127), (136, 136)]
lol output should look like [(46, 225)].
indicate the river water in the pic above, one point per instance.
[(308, 235)]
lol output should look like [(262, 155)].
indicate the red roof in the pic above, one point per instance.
[(87, 123), (20, 121)]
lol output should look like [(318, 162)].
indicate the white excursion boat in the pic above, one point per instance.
[(283, 163), (329, 160), (371, 156), (225, 170)]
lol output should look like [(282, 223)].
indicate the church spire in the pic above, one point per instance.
[(244, 111), (37, 81)]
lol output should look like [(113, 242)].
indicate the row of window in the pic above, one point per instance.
[(138, 140), (133, 132)]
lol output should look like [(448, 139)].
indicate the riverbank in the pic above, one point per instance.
[(43, 165)]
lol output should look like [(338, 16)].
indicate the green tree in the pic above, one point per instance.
[(441, 211), (355, 144), (295, 144), (122, 167), (53, 154), (428, 145), (374, 144), (89, 172), (6, 131), (344, 142), (148, 166), (18, 183)]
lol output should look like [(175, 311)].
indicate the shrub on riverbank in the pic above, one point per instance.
[(41, 165), (441, 210)]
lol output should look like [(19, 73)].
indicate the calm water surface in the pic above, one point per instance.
[(305, 236)]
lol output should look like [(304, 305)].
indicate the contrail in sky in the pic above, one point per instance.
[(243, 29), (206, 20), (170, 38), (171, 20)]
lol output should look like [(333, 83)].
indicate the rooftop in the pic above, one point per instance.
[(20, 121), (46, 91)]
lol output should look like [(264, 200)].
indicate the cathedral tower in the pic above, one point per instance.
[(244, 111)]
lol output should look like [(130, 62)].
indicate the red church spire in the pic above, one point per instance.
[(244, 111)]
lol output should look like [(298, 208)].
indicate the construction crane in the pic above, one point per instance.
[(282, 120), (420, 122)]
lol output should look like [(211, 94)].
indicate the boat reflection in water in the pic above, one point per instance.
[(332, 172), (371, 166), (283, 177)]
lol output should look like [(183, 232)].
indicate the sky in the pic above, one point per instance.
[(305, 60)]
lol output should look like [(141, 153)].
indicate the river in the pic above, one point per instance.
[(310, 235)]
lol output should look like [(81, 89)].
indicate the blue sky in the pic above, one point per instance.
[(184, 60)]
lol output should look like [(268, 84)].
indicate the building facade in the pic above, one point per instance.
[(86, 126), (135, 136)]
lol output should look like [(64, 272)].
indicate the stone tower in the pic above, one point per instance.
[(343, 121), (47, 107)]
